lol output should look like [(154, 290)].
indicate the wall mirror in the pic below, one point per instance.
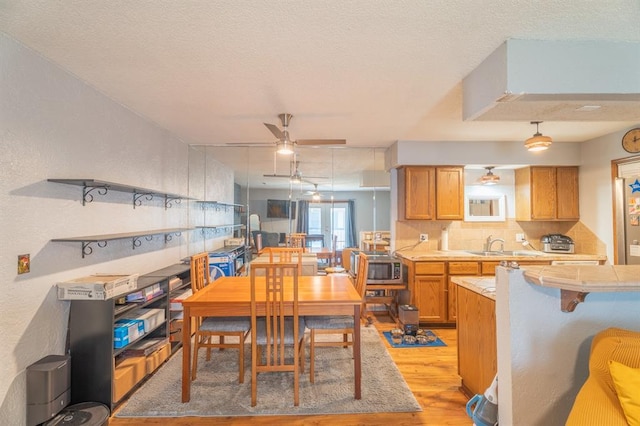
[(484, 208), (331, 178)]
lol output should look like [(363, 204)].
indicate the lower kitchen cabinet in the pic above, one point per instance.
[(477, 342), (99, 371), (430, 298)]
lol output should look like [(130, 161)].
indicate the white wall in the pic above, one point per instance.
[(55, 126), (596, 190), (543, 352)]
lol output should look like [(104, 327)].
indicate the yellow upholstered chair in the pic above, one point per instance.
[(209, 327), (337, 324), (598, 402), (273, 329)]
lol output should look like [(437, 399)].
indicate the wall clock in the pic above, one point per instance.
[(631, 141)]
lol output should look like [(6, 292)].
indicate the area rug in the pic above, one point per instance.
[(216, 391), (437, 342)]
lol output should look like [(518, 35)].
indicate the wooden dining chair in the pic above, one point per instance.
[(285, 255), (337, 324), (210, 327), (298, 240), (276, 324)]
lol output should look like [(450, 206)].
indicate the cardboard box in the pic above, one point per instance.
[(145, 294), (176, 302), (127, 374), (157, 358), (175, 329), (151, 318), (126, 331), (174, 283), (97, 287)]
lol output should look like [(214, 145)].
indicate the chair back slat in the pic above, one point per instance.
[(275, 309), (199, 271)]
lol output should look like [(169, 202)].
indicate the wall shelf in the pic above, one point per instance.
[(219, 228), (102, 187), (101, 240), (218, 205)]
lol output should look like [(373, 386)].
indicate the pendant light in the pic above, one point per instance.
[(489, 178), (537, 142)]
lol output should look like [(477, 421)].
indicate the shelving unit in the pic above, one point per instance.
[(102, 187), (220, 206), (101, 240), (91, 329)]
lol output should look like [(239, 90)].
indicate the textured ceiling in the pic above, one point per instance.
[(371, 72)]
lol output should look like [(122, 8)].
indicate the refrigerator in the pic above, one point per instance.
[(628, 220)]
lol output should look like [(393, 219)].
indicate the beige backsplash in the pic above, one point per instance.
[(472, 235)]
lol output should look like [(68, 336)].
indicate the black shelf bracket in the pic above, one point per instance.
[(137, 198), (168, 201), (87, 197), (87, 249), (169, 237)]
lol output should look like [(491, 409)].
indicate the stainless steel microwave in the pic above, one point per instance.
[(383, 269)]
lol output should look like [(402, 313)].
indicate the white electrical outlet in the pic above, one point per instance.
[(424, 237), (519, 238)]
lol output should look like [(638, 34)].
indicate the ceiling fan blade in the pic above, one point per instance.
[(277, 176), (321, 141), (274, 129), (246, 144)]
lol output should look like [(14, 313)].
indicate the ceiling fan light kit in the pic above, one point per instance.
[(538, 142), (284, 147)]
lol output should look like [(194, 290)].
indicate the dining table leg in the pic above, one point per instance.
[(357, 364), (186, 355)]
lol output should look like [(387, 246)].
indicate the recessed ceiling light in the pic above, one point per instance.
[(588, 108)]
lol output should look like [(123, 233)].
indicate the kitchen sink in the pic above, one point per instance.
[(504, 253)]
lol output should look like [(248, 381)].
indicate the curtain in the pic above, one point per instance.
[(303, 216), (351, 239)]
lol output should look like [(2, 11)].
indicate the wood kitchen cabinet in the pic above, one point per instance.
[(547, 193), (427, 283), (457, 268), (449, 193), (431, 193), (477, 341)]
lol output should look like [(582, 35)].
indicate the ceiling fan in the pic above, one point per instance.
[(295, 175), (314, 194), (285, 144)]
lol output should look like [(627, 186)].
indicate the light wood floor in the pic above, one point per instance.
[(431, 374)]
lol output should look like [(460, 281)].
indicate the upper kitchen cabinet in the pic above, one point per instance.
[(428, 192), (547, 193)]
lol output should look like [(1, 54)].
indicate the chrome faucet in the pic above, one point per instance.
[(490, 241)]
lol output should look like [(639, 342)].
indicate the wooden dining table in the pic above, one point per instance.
[(322, 253), (231, 296)]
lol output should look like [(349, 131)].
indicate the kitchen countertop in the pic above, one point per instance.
[(585, 278), (457, 255), (574, 281), (485, 286)]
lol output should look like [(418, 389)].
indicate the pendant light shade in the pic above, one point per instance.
[(537, 142), (489, 178), (284, 147)]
